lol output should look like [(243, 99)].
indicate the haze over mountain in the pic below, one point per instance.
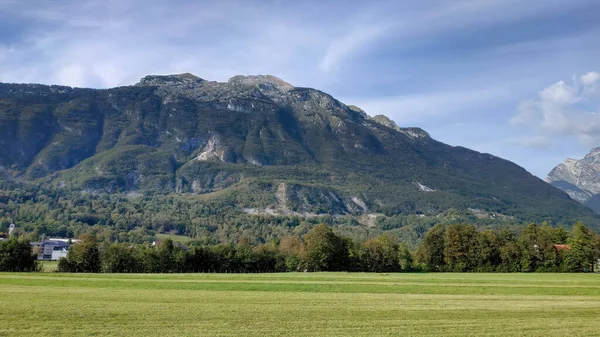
[(580, 179), (275, 149)]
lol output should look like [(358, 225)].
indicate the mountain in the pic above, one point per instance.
[(261, 146), (580, 179)]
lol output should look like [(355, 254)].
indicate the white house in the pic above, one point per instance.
[(52, 249)]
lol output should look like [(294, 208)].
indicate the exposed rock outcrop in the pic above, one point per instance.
[(580, 179)]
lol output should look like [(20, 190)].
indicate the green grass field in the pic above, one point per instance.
[(299, 304), (49, 266)]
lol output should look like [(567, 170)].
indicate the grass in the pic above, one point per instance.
[(174, 237), (299, 304), (49, 266)]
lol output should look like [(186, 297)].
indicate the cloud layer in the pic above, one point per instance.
[(456, 68), (565, 110)]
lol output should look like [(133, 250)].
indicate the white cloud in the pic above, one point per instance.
[(562, 110), (526, 112), (419, 22), (532, 141), (109, 43), (349, 44), (301, 42), (590, 141), (409, 108), (73, 75), (590, 78), (559, 93)]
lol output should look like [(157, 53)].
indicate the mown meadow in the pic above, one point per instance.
[(299, 304)]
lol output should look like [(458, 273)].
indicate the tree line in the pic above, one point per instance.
[(461, 248), (445, 248), (450, 248), (319, 250)]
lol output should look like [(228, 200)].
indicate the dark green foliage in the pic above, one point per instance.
[(118, 258), (16, 255), (83, 257), (584, 252), (535, 249), (325, 250), (446, 248), (460, 249), (381, 255), (405, 258), (487, 251), (431, 251)]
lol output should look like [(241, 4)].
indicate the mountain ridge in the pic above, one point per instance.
[(254, 137), (580, 179)]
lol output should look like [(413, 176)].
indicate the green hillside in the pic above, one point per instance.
[(253, 147)]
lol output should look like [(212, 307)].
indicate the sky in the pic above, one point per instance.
[(519, 79)]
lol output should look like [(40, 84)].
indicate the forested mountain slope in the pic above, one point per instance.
[(269, 148)]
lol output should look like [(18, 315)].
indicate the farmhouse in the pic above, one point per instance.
[(51, 249)]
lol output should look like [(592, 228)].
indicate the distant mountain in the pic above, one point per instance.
[(279, 149), (580, 179)]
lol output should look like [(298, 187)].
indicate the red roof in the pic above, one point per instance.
[(562, 247)]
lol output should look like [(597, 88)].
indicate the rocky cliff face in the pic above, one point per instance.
[(580, 179), (249, 136)]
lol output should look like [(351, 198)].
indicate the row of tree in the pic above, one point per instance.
[(320, 249), (453, 248), (537, 248)]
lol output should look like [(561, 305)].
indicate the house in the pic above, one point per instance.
[(560, 248), (52, 249), (70, 241)]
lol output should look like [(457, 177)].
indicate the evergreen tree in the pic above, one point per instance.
[(529, 248), (582, 256)]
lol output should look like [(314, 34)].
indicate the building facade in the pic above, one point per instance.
[(52, 249)]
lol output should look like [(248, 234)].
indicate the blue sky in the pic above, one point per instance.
[(515, 78)]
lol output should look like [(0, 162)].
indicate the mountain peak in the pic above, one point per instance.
[(175, 79), (385, 121), (580, 178), (411, 131), (594, 154), (256, 80)]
